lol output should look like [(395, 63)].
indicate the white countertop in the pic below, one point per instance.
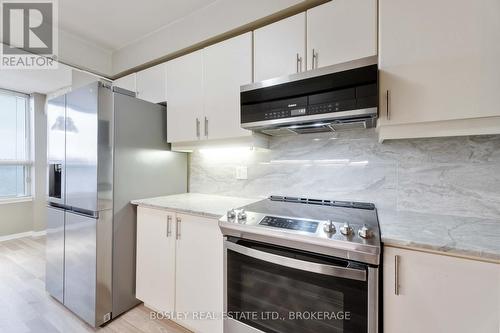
[(465, 236), (208, 205), (458, 235)]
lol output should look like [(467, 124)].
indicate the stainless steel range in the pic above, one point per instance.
[(301, 265)]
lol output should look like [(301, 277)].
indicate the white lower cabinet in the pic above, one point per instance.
[(199, 272), (155, 266), (435, 293), (180, 267)]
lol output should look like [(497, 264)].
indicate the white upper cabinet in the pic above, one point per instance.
[(126, 82), (226, 66), (439, 62), (185, 97), (340, 31), (279, 48), (150, 84), (203, 91)]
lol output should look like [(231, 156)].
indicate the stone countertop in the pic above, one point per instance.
[(207, 205), (463, 236)]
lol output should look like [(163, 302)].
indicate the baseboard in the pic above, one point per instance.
[(22, 235), (38, 233)]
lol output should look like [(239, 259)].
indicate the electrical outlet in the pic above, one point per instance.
[(241, 172)]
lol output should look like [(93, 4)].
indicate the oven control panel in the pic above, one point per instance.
[(291, 224)]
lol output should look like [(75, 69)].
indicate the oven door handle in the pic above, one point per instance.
[(332, 270)]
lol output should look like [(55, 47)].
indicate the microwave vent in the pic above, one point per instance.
[(348, 125), (279, 131), (312, 129)]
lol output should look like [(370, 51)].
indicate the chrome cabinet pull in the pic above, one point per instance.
[(314, 60), (388, 113), (169, 226), (197, 128), (178, 228), (299, 63), (396, 275), (206, 126)]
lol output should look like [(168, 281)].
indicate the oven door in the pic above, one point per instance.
[(281, 290)]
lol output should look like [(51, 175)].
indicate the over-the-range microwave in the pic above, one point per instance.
[(341, 96)]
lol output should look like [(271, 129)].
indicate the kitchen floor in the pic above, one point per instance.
[(26, 307)]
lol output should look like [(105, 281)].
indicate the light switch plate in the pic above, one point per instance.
[(241, 172)]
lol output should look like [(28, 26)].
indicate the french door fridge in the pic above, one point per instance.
[(105, 148)]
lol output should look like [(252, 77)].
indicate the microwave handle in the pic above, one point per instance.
[(337, 271)]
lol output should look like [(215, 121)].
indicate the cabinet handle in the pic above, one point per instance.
[(388, 112), (314, 60), (299, 63), (197, 128), (169, 226), (396, 275), (206, 126), (178, 228)]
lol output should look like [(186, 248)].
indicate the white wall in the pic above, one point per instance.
[(210, 21), (16, 217), (86, 55)]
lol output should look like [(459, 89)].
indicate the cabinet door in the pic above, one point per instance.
[(126, 82), (340, 31), (439, 60), (150, 84), (199, 271), (227, 66), (185, 97), (440, 294), (279, 47), (155, 275)]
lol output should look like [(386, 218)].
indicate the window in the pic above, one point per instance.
[(15, 160)]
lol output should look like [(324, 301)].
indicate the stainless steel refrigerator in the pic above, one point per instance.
[(105, 148)]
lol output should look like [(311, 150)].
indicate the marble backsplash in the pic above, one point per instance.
[(448, 176)]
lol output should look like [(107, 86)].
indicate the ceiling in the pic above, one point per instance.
[(41, 81), (113, 24)]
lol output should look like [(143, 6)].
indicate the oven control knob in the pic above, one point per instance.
[(364, 232), (346, 229), (329, 227), (242, 215), (231, 214)]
